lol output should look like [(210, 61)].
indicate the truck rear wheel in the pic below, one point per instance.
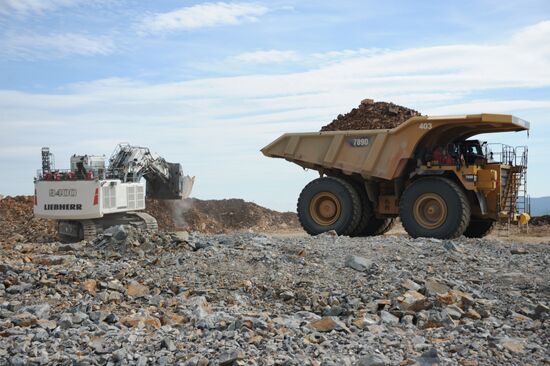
[(434, 207), (479, 228), (329, 203)]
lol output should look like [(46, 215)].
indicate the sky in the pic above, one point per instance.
[(208, 84)]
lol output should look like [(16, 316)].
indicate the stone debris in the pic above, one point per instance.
[(358, 263), (135, 289), (414, 301), (373, 360), (518, 251), (428, 358), (434, 287), (134, 297), (328, 324), (513, 345)]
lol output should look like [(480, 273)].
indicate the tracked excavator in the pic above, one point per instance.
[(92, 196)]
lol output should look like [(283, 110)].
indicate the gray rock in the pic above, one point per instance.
[(65, 321), (388, 318), (118, 233), (230, 357), (79, 317), (169, 344), (41, 311), (437, 319), (450, 246), (541, 311), (434, 287), (41, 335), (182, 236), (17, 289), (119, 355), (374, 359), (287, 295), (23, 319), (358, 263), (428, 358), (518, 250), (72, 247), (17, 361), (116, 286), (411, 285), (454, 311), (111, 319)]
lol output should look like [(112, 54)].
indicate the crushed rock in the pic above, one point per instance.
[(257, 299)]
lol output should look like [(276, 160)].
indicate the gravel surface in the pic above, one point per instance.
[(138, 298)]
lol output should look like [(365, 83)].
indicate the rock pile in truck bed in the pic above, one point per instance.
[(371, 115)]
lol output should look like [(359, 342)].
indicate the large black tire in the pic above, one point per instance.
[(434, 207), (329, 203), (479, 228), (366, 210), (378, 226)]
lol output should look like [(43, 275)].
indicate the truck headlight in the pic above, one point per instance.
[(470, 177)]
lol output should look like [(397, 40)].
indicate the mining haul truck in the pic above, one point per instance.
[(90, 196), (427, 171)]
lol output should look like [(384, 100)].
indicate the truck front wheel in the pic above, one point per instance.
[(329, 203), (434, 207)]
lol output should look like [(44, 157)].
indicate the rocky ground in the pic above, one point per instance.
[(207, 216), (138, 298)]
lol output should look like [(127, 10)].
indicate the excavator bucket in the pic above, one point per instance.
[(187, 186), (178, 187)]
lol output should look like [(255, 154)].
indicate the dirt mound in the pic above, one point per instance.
[(540, 220), (371, 115), (219, 216), (18, 224)]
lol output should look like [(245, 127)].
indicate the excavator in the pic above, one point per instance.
[(92, 196)]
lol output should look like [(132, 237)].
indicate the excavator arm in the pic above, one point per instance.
[(165, 180)]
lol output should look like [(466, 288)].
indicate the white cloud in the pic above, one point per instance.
[(25, 7), (270, 56), (204, 15), (212, 125), (53, 46)]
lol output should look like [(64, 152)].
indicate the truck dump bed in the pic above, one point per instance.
[(384, 153)]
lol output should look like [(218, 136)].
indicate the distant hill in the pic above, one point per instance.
[(540, 206)]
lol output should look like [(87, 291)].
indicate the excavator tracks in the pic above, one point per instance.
[(91, 229), (149, 221)]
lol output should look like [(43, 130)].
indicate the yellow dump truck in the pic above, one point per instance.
[(427, 171)]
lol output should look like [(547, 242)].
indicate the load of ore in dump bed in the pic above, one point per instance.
[(371, 115)]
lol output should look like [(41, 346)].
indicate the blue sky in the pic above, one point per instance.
[(210, 83)]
